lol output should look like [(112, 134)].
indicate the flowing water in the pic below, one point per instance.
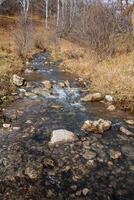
[(31, 169)]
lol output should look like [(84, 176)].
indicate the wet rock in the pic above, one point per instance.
[(16, 128), (78, 193), (98, 126), (6, 125), (74, 187), (50, 194), (28, 71), (61, 84), (131, 167), (89, 155), (56, 106), (109, 98), (32, 173), (111, 108), (67, 84), (47, 84), (115, 154), (126, 131), (92, 97), (128, 150), (130, 121), (85, 191), (86, 145), (81, 82), (62, 136), (40, 91), (48, 163), (17, 80)]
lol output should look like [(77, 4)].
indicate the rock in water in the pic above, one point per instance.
[(98, 126), (126, 132), (62, 136), (111, 108), (17, 80), (47, 84), (130, 121), (109, 98), (92, 97)]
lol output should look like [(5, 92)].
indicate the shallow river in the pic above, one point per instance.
[(31, 169)]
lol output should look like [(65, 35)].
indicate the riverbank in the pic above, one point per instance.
[(113, 76)]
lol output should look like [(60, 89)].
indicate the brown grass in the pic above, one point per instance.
[(112, 76)]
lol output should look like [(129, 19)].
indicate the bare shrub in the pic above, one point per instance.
[(23, 38)]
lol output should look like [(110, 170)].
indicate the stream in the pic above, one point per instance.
[(30, 169)]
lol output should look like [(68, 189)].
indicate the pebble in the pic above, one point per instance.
[(85, 191), (89, 155), (111, 108), (6, 125)]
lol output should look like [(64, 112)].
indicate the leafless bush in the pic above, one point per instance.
[(23, 38)]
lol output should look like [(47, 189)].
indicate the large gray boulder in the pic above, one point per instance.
[(62, 136)]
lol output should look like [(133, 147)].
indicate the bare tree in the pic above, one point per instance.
[(25, 8)]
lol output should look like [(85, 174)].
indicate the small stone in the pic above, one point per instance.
[(74, 187), (130, 122), (131, 167), (115, 154), (109, 98), (62, 136), (126, 132), (16, 128), (86, 145), (78, 193), (85, 191), (47, 84), (56, 107), (89, 155), (29, 121), (31, 173), (92, 97), (111, 108), (67, 84), (62, 85), (49, 194), (17, 80), (6, 125), (48, 163)]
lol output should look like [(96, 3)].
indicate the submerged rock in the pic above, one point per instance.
[(98, 126), (17, 80), (47, 84), (61, 84), (92, 97), (62, 136), (111, 108), (115, 154), (126, 132), (89, 155)]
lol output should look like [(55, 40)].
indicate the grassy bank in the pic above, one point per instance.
[(113, 75)]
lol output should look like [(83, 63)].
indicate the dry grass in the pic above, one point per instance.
[(112, 76)]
